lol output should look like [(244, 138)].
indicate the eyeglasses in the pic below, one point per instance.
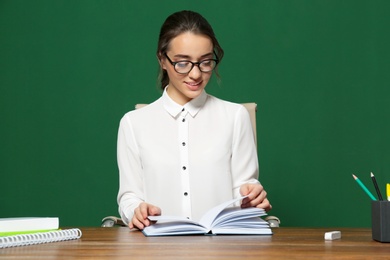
[(185, 66)]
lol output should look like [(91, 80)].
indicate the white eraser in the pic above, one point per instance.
[(332, 235)]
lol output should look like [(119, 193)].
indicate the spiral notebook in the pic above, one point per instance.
[(40, 238)]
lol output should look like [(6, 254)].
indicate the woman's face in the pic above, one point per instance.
[(187, 47)]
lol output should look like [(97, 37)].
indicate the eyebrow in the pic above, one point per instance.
[(183, 56)]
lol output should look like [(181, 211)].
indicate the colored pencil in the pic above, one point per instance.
[(364, 187), (376, 187)]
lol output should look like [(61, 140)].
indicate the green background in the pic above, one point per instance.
[(318, 70)]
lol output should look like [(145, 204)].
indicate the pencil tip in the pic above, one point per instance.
[(353, 175), (372, 175)]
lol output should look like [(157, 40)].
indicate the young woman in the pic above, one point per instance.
[(187, 151)]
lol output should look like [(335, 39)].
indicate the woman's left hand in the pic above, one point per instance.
[(256, 196)]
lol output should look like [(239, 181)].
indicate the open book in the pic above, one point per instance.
[(221, 219)]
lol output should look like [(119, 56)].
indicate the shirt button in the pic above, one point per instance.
[(183, 109), (183, 120), (184, 167), (185, 193), (183, 143)]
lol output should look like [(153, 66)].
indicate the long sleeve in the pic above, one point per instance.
[(130, 171), (244, 162)]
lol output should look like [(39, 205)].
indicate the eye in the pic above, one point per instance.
[(207, 63), (182, 64)]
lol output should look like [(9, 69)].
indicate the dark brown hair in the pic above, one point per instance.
[(181, 22)]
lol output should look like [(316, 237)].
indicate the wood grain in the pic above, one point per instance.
[(286, 243)]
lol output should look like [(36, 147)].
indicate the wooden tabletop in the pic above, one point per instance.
[(285, 243)]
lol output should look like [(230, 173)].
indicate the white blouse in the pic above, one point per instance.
[(184, 159)]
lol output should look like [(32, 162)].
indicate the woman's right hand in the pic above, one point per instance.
[(140, 219)]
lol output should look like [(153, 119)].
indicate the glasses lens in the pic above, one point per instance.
[(207, 65), (183, 66)]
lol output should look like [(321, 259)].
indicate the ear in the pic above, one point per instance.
[(161, 61)]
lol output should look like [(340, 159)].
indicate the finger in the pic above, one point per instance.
[(254, 197), (244, 189), (136, 223), (140, 214), (154, 211), (254, 190), (259, 200), (131, 226), (256, 201), (249, 191), (144, 208), (265, 205)]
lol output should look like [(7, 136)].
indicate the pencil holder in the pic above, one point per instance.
[(380, 217)]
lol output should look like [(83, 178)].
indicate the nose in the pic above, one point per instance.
[(195, 73)]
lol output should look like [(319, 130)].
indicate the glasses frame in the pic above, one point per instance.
[(173, 63)]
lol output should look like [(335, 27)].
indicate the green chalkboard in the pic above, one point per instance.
[(318, 70)]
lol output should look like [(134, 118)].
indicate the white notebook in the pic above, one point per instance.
[(26, 224)]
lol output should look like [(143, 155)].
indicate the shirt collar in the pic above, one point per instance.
[(192, 107)]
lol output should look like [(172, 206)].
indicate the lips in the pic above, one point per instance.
[(194, 85)]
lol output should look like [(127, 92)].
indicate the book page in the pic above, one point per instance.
[(208, 218), (230, 216), (173, 228), (172, 219)]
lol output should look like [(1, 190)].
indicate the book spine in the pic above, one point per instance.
[(40, 238)]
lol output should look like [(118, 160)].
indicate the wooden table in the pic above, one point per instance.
[(286, 243)]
